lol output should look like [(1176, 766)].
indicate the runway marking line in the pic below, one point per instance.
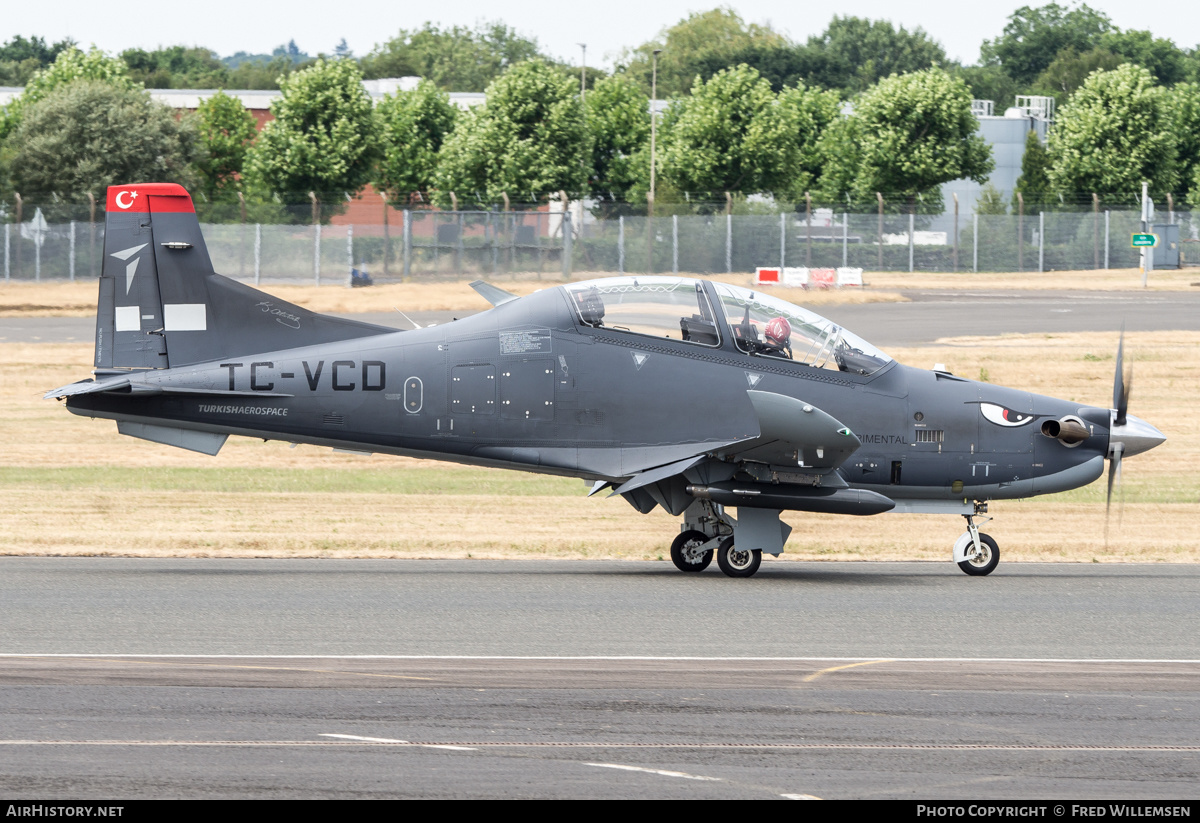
[(663, 772), (134, 659), (405, 742), (353, 740), (815, 675), (632, 658)]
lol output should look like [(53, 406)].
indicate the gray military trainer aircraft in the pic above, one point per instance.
[(687, 394)]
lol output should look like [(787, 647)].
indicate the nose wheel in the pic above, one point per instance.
[(976, 553)]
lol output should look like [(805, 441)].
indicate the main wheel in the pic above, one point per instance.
[(985, 562), (737, 562), (685, 554)]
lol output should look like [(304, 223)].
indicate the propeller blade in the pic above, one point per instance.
[(1114, 473), (1122, 384)]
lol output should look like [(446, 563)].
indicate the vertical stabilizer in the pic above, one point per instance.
[(129, 318), (162, 305)]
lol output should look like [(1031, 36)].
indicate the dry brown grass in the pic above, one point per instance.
[(92, 516), (78, 299)]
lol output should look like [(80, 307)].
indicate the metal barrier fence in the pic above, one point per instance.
[(429, 244)]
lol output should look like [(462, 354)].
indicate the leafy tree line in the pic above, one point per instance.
[(85, 122)]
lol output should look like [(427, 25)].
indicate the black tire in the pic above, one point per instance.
[(985, 564), (685, 560), (737, 562)]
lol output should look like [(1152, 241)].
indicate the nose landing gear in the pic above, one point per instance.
[(976, 553)]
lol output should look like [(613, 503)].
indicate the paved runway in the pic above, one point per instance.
[(595, 679), (930, 315)]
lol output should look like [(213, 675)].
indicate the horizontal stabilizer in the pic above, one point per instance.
[(493, 294), (132, 384), (203, 442)]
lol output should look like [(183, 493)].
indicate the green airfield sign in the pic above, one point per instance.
[(1144, 241)]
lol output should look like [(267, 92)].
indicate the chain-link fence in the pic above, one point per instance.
[(424, 244)]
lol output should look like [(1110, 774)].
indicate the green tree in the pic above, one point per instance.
[(226, 131), (989, 83), (916, 132), (1115, 132), (731, 135), (527, 141), (700, 46), (1166, 61), (414, 124), (20, 57), (85, 136), (1184, 103), (808, 114), (1034, 182), (324, 137), (454, 59), (854, 54), (1070, 69), (176, 67), (1033, 38), (618, 120), (70, 65), (991, 201)]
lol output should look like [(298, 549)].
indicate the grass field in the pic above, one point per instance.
[(78, 299), (72, 485)]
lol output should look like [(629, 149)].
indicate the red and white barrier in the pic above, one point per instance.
[(802, 277)]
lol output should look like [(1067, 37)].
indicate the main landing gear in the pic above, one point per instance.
[(976, 553), (708, 532)]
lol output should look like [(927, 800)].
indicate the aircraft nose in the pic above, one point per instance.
[(1136, 435)]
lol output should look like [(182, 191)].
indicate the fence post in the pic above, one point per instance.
[(20, 206), (257, 252), (782, 241), (1020, 232), (975, 245), (879, 243), (387, 244), (349, 252), (1106, 216), (317, 253), (1095, 230), (566, 247), (1170, 209), (71, 252), (911, 220), (458, 246), (728, 243), (845, 239), (808, 229), (1041, 241), (956, 231), (674, 244), (621, 244), (407, 234), (490, 231), (92, 235), (7, 226)]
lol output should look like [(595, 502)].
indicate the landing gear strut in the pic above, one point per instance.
[(976, 553)]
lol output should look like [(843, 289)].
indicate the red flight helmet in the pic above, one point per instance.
[(779, 332)]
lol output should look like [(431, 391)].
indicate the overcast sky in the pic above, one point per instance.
[(229, 26)]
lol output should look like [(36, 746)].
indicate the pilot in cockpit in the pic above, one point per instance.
[(778, 335)]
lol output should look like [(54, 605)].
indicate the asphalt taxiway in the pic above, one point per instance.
[(929, 315), (280, 678)]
